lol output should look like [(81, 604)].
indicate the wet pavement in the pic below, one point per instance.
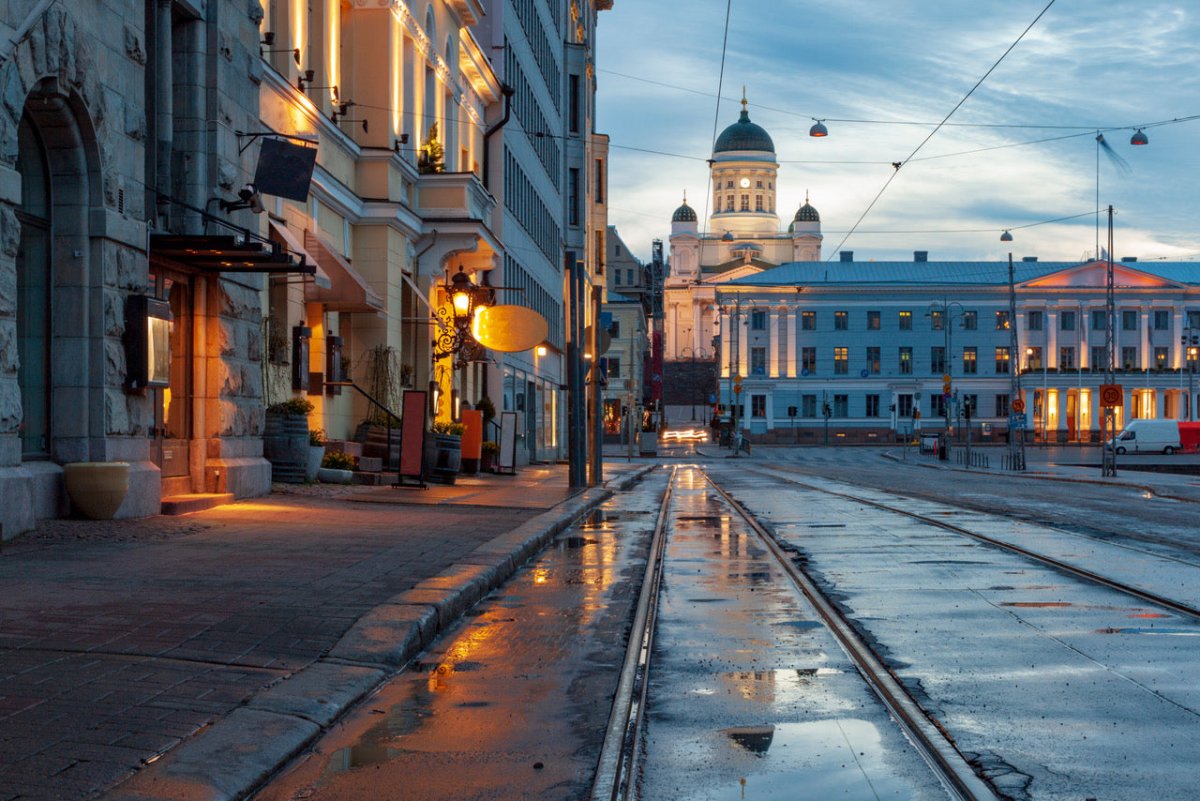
[(512, 703), (1057, 688), (750, 695)]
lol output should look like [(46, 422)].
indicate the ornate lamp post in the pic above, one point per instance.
[(454, 336)]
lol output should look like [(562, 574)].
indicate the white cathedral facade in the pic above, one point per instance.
[(805, 349)]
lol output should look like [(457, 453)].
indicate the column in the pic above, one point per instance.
[(743, 338), (1144, 347), (1178, 351), (1160, 404), (726, 342), (1051, 354), (697, 328), (793, 355), (1060, 424), (771, 410), (773, 342), (1084, 322)]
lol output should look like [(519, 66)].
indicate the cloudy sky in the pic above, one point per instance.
[(883, 73)]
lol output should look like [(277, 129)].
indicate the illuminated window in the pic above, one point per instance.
[(1002, 321), (970, 361), (808, 321), (1003, 359), (905, 321), (906, 361), (841, 361)]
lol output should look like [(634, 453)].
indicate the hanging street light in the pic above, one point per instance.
[(1006, 237), (1139, 138), (819, 129)]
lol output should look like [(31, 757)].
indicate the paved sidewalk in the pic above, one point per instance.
[(187, 658)]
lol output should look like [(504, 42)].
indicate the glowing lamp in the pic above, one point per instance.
[(819, 129), (1139, 138)]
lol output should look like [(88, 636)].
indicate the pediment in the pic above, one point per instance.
[(735, 269), (1094, 275)]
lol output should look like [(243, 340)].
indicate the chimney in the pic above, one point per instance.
[(920, 255), (847, 255), (1029, 258)]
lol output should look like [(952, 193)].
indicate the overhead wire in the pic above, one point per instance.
[(717, 111)]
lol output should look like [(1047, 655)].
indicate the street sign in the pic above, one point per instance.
[(1018, 405), (1111, 396), (863, 373), (1017, 422)]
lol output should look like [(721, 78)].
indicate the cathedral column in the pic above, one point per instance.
[(1145, 343), (743, 338), (726, 323), (1051, 355), (773, 342), (792, 355)]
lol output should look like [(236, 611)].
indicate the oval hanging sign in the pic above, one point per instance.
[(509, 329)]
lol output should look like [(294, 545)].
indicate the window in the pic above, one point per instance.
[(1002, 321), (1066, 358), (1001, 406), (873, 360), (905, 321), (872, 406), (808, 405), (1033, 321), (1033, 358), (808, 361), (629, 276), (1162, 319), (872, 321), (758, 361), (937, 360), (1066, 321), (1193, 319), (1099, 358), (1003, 359), (970, 361), (937, 320), (758, 405), (758, 321), (573, 103), (758, 206), (906, 361), (614, 330), (1099, 320), (1160, 358), (729, 184), (1129, 359), (573, 196), (904, 405), (841, 361), (970, 320), (1129, 320), (599, 183), (745, 203), (937, 405), (614, 366), (840, 321), (758, 184), (808, 321), (729, 202), (841, 405)]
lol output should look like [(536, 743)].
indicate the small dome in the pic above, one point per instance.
[(744, 135), (684, 213), (806, 213)]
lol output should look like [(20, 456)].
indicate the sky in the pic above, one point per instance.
[(883, 74)]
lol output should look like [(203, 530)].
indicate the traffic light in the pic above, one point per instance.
[(737, 385), (946, 386)]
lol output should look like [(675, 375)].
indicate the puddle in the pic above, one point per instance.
[(826, 525), (707, 600), (801, 624), (710, 519), (1037, 604), (577, 542), (1151, 630), (755, 739)]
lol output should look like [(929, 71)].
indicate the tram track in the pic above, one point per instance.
[(618, 768), (1044, 559)]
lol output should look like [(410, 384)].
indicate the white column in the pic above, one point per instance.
[(743, 338), (1160, 404), (697, 327), (1085, 326), (1178, 351), (793, 355), (1145, 338), (773, 342), (726, 342), (1051, 355), (770, 410)]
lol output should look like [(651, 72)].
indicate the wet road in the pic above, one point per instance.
[(1057, 688), (513, 703)]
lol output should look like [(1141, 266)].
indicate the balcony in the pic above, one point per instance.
[(454, 196)]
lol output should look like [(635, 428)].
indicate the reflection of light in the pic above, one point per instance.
[(541, 575)]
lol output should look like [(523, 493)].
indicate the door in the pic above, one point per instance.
[(1072, 420), (173, 404)]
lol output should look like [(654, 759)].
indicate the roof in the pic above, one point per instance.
[(744, 135), (972, 273), (806, 213), (616, 297), (684, 213)]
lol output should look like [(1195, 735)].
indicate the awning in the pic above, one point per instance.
[(289, 240), (225, 254), (348, 292)]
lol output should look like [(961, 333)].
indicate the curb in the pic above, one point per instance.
[(233, 757)]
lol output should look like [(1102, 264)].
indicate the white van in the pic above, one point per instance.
[(1148, 436)]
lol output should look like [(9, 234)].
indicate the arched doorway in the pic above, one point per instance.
[(34, 290)]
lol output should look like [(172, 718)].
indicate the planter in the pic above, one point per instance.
[(649, 443), (442, 457), (486, 462), (97, 489), (315, 454), (331, 475), (285, 446)]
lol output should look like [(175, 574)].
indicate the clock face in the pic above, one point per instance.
[(745, 182)]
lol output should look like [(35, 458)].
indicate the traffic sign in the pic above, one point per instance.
[(1018, 405), (1016, 422), (1111, 395)]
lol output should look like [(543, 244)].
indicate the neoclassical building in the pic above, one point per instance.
[(865, 350)]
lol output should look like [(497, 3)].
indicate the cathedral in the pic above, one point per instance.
[(792, 346)]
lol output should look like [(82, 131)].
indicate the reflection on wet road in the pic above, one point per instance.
[(750, 696), (513, 703)]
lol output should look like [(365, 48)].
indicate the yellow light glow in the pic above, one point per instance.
[(462, 302), (541, 350)]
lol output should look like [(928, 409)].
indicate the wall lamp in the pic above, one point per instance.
[(342, 110), (305, 78), (819, 129)]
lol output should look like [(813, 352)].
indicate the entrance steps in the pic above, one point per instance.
[(194, 502)]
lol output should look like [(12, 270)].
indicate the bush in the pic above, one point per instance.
[(488, 408), (336, 460), (316, 437), (443, 427), (300, 407)]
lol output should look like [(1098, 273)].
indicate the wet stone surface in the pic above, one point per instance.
[(512, 703)]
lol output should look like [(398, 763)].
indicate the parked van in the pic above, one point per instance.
[(1158, 436)]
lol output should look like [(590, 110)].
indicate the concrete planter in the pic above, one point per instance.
[(315, 454), (97, 489), (331, 475), (649, 443)]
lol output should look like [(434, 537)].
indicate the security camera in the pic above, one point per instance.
[(248, 198)]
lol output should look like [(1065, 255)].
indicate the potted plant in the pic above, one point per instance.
[(444, 452), (488, 408), (337, 468), (316, 452), (487, 458), (285, 440)]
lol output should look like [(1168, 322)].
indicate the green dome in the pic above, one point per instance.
[(684, 213), (744, 135), (807, 213)]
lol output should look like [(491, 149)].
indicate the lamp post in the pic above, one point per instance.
[(1191, 343), (946, 310), (1016, 447)]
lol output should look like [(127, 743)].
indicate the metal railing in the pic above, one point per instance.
[(387, 459)]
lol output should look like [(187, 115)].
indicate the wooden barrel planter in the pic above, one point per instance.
[(443, 457), (285, 446)]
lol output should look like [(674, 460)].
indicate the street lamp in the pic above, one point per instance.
[(1191, 344), (946, 312)]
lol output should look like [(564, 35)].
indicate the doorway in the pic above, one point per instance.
[(172, 427)]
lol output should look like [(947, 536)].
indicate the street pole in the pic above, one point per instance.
[(576, 402), (1016, 446), (596, 429), (1108, 466)]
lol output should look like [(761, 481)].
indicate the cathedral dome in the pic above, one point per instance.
[(684, 213), (744, 135), (806, 213)]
